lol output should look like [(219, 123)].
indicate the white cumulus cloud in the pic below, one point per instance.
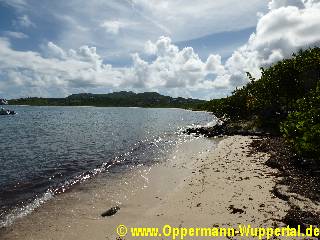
[(279, 33), (30, 72), (287, 27)]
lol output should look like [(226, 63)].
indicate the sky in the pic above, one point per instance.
[(189, 48)]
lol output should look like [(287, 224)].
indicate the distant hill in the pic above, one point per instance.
[(115, 99)]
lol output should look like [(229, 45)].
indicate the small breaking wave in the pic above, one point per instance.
[(21, 212)]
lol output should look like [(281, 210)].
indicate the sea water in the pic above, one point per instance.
[(44, 151)]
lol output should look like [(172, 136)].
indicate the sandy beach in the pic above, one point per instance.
[(204, 183)]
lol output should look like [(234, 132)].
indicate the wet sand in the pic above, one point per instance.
[(203, 183)]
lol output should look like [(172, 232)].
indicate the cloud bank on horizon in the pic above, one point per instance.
[(158, 65)]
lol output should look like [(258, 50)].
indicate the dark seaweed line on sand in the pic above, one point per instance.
[(299, 177)]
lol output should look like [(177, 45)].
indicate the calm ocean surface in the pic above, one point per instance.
[(46, 150)]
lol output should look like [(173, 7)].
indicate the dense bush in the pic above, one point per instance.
[(302, 127)]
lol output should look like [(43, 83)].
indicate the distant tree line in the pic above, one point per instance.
[(116, 99)]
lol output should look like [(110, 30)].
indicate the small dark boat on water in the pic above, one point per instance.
[(5, 111)]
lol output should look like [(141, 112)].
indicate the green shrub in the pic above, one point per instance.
[(302, 127)]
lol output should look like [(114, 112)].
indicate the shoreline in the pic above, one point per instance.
[(211, 184), (93, 106)]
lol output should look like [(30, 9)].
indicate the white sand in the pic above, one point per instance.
[(196, 187)]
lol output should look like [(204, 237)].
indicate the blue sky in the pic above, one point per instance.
[(179, 47)]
